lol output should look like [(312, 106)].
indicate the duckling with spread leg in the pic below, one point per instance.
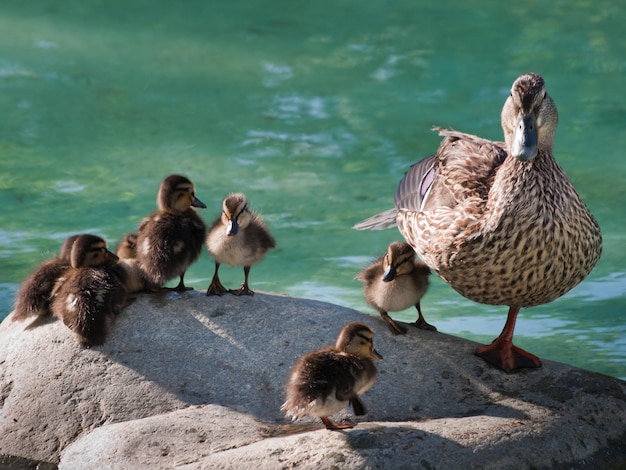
[(395, 282), (238, 237), (33, 298), (171, 238), (89, 295), (324, 382)]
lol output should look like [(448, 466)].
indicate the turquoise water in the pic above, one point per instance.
[(314, 110)]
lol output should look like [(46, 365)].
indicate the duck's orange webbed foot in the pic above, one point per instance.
[(506, 356)]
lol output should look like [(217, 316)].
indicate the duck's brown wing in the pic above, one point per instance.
[(463, 166), (416, 184)]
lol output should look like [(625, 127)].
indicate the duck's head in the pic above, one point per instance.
[(236, 213), (398, 260), (91, 251), (177, 194), (357, 339), (529, 118)]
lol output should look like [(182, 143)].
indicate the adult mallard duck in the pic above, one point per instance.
[(394, 282), (324, 382), (171, 238), (500, 222), (92, 291), (238, 237)]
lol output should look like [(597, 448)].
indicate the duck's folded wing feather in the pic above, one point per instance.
[(415, 185), (463, 166)]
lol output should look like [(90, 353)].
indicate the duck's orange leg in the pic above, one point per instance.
[(503, 354), (335, 427)]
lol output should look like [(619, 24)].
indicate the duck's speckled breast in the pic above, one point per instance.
[(529, 243)]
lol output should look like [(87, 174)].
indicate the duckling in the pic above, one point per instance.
[(324, 382), (395, 282), (33, 298), (238, 237), (171, 238), (126, 251), (91, 292), (66, 249)]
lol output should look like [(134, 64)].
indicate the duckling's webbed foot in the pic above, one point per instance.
[(394, 327), (421, 323), (216, 287), (243, 290), (336, 427)]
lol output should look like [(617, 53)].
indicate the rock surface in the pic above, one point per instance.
[(187, 381)]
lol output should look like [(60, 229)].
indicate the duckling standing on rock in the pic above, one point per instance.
[(33, 298), (126, 251), (500, 222), (395, 282), (91, 292), (324, 382), (238, 237), (171, 238)]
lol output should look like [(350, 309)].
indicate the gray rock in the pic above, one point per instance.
[(195, 382)]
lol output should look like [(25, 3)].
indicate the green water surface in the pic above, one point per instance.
[(314, 110)]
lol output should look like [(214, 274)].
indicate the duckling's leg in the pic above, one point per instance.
[(181, 284), (503, 354), (243, 289), (394, 327), (421, 323), (216, 287), (335, 427)]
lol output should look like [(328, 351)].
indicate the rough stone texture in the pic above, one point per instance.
[(195, 382)]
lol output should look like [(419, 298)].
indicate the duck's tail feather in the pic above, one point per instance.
[(380, 221)]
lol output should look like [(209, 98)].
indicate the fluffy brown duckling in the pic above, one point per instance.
[(91, 292), (171, 238), (126, 251), (238, 237), (324, 382), (394, 282), (33, 298)]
